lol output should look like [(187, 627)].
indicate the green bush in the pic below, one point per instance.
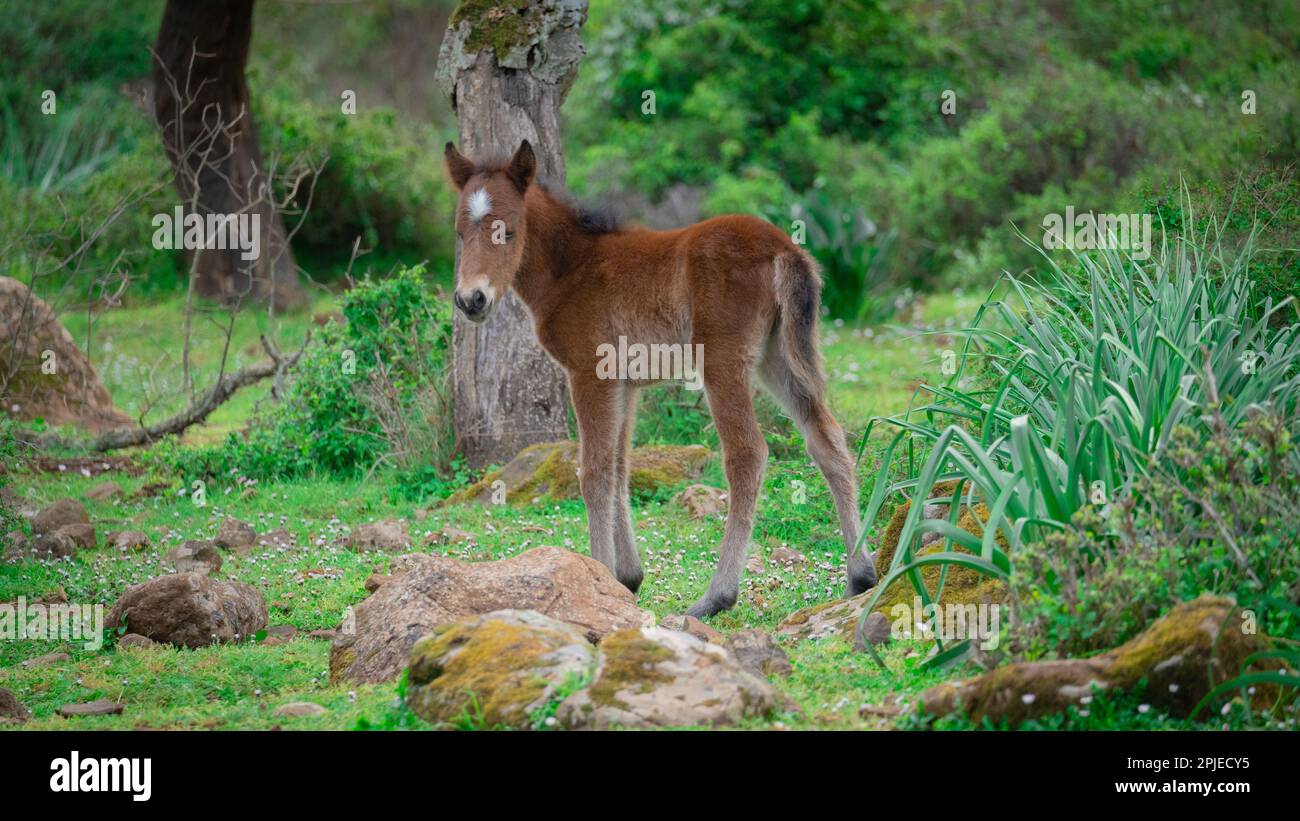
[(370, 391), (379, 181), (1217, 519), (1092, 377)]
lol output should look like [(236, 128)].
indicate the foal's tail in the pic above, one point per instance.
[(798, 293)]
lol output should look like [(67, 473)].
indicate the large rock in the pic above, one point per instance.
[(434, 591), (387, 536), (501, 668), (549, 472), (653, 677), (190, 610), (59, 514), (72, 394), (1196, 646)]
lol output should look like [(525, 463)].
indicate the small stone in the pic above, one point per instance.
[(60, 513), (755, 565), (299, 709), (82, 534), (277, 538), (235, 535), (135, 641), (387, 536), (280, 633), (104, 491), (12, 709), (54, 546), (124, 540), (46, 660), (875, 630), (702, 501), (758, 653), (693, 626), (99, 707), (786, 556), (452, 535), (195, 556), (190, 610)]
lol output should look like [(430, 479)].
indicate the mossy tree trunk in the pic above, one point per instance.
[(507, 67), (202, 109)]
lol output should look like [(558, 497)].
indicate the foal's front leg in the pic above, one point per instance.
[(598, 411)]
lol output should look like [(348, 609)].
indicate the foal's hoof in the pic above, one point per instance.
[(632, 582), (861, 579), (710, 604)]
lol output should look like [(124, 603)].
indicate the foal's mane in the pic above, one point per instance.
[(589, 219)]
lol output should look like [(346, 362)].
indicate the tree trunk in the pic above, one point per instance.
[(507, 74), (202, 110)]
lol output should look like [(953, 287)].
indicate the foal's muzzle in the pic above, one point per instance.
[(474, 306)]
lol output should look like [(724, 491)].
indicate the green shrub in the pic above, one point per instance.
[(1092, 377), (368, 392), (1216, 519), (379, 181)]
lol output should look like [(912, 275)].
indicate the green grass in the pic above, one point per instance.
[(138, 352), (311, 585)]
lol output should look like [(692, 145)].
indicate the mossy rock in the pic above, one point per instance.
[(962, 586), (548, 472), (1196, 646), (496, 670), (654, 677)]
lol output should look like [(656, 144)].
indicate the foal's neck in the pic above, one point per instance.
[(555, 248)]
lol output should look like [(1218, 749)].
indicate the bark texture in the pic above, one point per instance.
[(507, 69), (201, 106)]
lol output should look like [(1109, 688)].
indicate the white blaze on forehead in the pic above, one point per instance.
[(479, 204)]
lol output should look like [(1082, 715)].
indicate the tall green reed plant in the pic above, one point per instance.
[(1083, 377)]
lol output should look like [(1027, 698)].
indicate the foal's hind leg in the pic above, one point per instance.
[(824, 439), (627, 560), (744, 458)]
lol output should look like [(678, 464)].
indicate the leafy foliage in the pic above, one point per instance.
[(368, 391)]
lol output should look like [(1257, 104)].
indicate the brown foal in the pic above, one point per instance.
[(735, 285)]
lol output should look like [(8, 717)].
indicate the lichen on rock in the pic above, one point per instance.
[(1197, 645), (548, 471), (498, 669)]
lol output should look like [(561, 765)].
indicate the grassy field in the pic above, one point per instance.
[(311, 584)]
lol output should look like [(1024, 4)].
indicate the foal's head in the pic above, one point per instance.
[(490, 225)]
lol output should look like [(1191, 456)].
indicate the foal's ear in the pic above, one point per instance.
[(522, 167), (459, 168)]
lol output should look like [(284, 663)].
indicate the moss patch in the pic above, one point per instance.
[(631, 663), (501, 25), (491, 671)]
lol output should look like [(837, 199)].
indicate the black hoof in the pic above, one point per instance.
[(710, 605), (861, 579), (632, 583)]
